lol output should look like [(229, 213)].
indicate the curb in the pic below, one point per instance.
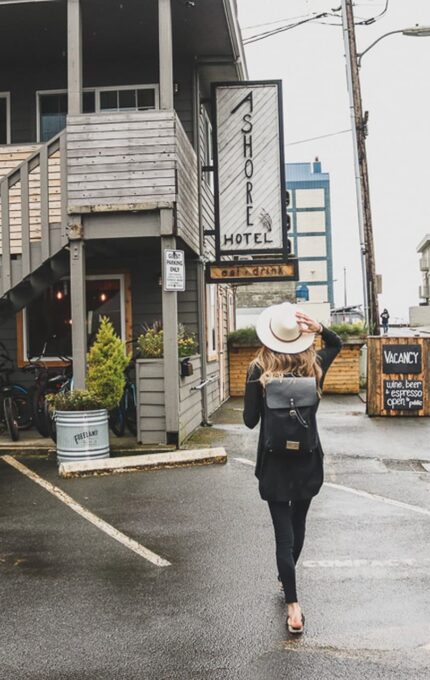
[(152, 461)]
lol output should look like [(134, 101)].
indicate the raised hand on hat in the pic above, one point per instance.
[(307, 324)]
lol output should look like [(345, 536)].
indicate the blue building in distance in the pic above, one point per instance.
[(310, 233)]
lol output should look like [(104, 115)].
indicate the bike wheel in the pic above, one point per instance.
[(117, 421), (22, 400), (10, 412), (39, 413), (130, 410), (49, 416)]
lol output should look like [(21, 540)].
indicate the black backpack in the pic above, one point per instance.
[(290, 405)]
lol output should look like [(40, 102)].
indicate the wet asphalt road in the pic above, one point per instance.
[(77, 605)]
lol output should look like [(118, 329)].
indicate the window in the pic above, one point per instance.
[(4, 118), (52, 108), (310, 220), (208, 159), (52, 115), (127, 99), (47, 322), (52, 105), (211, 321)]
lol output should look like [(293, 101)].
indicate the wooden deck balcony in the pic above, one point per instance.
[(101, 163), (133, 161)]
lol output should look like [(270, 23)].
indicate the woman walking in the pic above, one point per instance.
[(292, 474)]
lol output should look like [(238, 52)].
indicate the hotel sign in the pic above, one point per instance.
[(250, 208), (247, 272)]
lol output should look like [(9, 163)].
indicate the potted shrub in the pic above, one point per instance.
[(150, 342), (81, 416)]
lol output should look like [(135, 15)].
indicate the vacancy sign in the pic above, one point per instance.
[(250, 205), (174, 270)]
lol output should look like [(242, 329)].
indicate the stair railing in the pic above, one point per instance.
[(32, 197)]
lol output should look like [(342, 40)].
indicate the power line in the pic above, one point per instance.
[(334, 13), (311, 139), (272, 23), (281, 29)]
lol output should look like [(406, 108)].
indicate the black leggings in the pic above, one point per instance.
[(289, 522)]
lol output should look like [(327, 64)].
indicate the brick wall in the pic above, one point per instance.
[(343, 376), (265, 294)]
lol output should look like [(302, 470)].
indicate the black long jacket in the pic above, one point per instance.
[(282, 478)]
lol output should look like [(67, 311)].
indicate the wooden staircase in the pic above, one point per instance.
[(33, 226)]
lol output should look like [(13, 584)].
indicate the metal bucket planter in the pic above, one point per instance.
[(82, 435)]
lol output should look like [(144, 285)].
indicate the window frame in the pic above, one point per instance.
[(212, 332), (6, 95), (96, 91), (126, 318)]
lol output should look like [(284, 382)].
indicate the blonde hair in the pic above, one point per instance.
[(276, 364)]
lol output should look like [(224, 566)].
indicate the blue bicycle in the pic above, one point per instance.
[(124, 415)]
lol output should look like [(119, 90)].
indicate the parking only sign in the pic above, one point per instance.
[(174, 270)]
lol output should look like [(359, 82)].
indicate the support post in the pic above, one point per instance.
[(171, 358), (361, 170), (74, 57), (201, 280), (165, 47), (79, 314)]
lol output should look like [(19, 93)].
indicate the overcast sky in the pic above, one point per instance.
[(395, 81)]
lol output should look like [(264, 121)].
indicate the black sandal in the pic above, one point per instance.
[(293, 630)]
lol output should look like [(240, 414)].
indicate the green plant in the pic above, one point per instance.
[(347, 330), (77, 400), (187, 343), (244, 336), (150, 342), (106, 364)]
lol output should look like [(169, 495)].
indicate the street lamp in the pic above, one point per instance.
[(359, 125), (414, 32)]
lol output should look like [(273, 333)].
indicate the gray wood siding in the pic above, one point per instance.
[(187, 200), (207, 197), (188, 299), (213, 392), (121, 159), (22, 83), (151, 411), (190, 401), (126, 161), (151, 419)]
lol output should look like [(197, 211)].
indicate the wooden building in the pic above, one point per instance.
[(105, 141)]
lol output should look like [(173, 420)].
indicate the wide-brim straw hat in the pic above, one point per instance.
[(277, 328)]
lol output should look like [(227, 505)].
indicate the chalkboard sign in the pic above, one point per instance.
[(403, 395), (401, 358)]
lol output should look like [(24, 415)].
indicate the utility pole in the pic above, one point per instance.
[(345, 299), (358, 124)]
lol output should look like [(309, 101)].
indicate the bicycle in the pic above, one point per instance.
[(49, 414), (124, 415), (46, 383), (8, 413), (19, 394)]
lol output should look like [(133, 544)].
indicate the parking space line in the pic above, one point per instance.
[(359, 492), (377, 497), (108, 529), (245, 461), (359, 563)]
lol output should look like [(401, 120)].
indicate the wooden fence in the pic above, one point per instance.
[(343, 376)]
